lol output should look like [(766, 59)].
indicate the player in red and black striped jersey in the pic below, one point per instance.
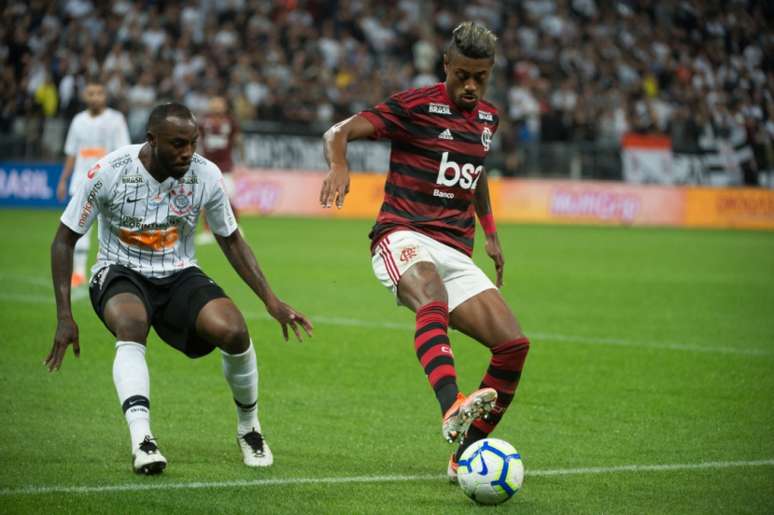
[(423, 237)]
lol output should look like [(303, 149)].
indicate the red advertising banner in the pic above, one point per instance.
[(296, 193)]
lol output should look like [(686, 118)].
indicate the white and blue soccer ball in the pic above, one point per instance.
[(490, 471)]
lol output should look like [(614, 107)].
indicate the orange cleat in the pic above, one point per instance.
[(465, 410), (77, 280), (451, 470)]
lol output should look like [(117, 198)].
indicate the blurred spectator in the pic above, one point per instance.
[(568, 70)]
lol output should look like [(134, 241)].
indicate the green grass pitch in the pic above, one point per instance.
[(650, 347)]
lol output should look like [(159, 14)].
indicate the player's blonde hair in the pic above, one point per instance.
[(473, 40)]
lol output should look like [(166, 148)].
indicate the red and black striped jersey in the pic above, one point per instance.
[(436, 159)]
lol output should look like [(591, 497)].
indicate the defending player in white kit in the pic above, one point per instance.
[(147, 199)]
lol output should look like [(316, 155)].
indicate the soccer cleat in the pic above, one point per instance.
[(451, 470), (77, 280), (148, 459), (255, 450), (465, 410)]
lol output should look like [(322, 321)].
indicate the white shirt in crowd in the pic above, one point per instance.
[(90, 138)]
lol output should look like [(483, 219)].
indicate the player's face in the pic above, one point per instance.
[(466, 79), (174, 145), (217, 106), (95, 97)]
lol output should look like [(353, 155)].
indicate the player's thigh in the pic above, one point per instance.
[(120, 298), (220, 323), (126, 315), (486, 318), (420, 285), (403, 262)]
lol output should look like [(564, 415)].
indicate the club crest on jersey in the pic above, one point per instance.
[(486, 138), (438, 109), (485, 116), (181, 201)]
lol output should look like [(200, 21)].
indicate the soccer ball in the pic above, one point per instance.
[(490, 471)]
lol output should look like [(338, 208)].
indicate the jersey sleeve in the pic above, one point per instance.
[(390, 118), (71, 142), (220, 216), (87, 198)]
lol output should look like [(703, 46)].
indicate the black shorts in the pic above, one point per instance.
[(172, 303)]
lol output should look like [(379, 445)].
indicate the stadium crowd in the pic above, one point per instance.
[(568, 70)]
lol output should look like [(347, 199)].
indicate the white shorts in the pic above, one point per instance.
[(400, 250)]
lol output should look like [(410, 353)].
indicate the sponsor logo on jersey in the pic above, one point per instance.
[(486, 138), (88, 207), (443, 194), (438, 109), (446, 134), (93, 171), (131, 179), (158, 239), (407, 254), (486, 116), (451, 174), (190, 179), (121, 161)]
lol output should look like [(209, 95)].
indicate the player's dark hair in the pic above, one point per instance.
[(472, 40), (163, 111)]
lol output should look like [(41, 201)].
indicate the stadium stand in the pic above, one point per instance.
[(572, 77)]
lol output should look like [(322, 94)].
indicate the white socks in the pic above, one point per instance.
[(81, 253), (130, 375), (241, 373)]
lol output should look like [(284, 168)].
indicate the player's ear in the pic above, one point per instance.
[(446, 63), (150, 138)]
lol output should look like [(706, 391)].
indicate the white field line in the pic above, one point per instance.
[(80, 294), (137, 487), (585, 340)]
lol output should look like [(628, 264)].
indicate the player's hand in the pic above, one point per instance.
[(61, 190), (495, 252), (335, 187), (287, 316), (66, 333)]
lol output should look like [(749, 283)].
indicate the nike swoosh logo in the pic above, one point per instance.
[(484, 468), (132, 200)]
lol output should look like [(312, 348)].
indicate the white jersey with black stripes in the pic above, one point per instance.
[(144, 224)]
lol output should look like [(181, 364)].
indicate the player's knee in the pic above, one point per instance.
[(131, 328), (516, 347), (421, 284), (233, 337)]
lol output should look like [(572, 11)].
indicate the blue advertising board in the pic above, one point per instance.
[(24, 184)]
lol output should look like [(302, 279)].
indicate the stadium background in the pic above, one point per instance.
[(653, 347)]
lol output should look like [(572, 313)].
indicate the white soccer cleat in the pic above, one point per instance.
[(465, 410), (147, 459), (255, 450)]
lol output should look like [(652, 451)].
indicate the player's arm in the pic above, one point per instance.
[(67, 171), (336, 184), (61, 270), (243, 260), (483, 206)]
